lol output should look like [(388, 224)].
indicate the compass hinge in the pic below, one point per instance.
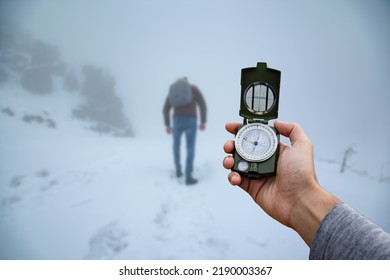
[(257, 121)]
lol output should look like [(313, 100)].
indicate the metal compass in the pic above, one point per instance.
[(256, 144)]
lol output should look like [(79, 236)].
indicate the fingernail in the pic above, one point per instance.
[(234, 180)]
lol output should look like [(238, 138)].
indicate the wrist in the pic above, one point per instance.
[(310, 209)]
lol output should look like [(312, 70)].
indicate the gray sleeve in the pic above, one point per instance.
[(345, 234)]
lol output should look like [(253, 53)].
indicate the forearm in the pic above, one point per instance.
[(166, 115), (201, 103), (346, 234), (310, 209)]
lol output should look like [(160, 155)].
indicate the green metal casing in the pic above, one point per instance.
[(265, 75), (259, 169), (270, 77)]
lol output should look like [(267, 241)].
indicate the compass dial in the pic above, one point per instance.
[(256, 142)]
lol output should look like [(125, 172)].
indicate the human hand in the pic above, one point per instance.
[(202, 126), (285, 195), (168, 129)]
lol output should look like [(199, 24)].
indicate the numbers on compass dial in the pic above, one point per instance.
[(256, 142)]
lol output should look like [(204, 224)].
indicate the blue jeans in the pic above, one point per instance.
[(186, 125)]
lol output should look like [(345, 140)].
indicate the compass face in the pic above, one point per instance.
[(256, 142)]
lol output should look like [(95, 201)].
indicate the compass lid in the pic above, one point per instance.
[(260, 92)]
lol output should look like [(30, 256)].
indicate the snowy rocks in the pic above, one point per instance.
[(37, 68), (37, 81), (102, 107), (39, 119)]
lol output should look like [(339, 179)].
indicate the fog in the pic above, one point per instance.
[(333, 56)]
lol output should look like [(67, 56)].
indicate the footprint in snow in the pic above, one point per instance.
[(16, 181), (107, 242)]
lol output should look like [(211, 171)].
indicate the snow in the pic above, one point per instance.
[(70, 193)]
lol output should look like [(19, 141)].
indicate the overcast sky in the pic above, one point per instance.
[(333, 55)]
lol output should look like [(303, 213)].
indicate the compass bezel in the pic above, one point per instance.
[(273, 139)]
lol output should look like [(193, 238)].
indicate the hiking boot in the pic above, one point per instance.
[(179, 173), (191, 181)]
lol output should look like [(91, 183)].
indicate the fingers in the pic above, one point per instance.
[(293, 131), (229, 147), (232, 127), (234, 178), (228, 162)]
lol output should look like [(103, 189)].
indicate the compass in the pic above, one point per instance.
[(256, 142)]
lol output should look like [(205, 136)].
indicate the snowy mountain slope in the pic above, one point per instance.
[(112, 206), (68, 193)]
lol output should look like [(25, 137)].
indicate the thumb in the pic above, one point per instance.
[(293, 131)]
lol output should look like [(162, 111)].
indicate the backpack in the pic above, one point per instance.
[(180, 93)]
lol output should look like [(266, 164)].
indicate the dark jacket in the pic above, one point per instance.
[(187, 110)]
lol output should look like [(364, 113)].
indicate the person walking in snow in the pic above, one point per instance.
[(184, 99)]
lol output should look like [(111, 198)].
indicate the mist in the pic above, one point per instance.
[(333, 57)]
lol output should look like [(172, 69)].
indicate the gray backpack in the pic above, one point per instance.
[(180, 93)]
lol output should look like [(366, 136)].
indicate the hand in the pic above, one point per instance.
[(168, 129), (202, 126), (292, 197)]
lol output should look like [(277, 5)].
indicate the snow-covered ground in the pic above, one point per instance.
[(69, 193)]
